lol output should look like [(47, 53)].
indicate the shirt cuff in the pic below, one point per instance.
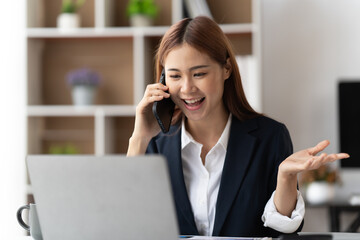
[(273, 219)]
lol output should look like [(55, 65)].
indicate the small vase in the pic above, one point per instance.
[(83, 95), (140, 20), (68, 21), (320, 192)]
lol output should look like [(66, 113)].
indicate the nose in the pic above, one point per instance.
[(188, 85)]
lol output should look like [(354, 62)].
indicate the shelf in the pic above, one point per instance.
[(67, 135), (123, 31), (237, 28), (51, 59), (69, 110), (46, 132), (96, 32)]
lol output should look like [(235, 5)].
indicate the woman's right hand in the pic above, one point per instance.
[(146, 126), (145, 121)]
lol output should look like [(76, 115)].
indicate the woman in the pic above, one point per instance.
[(231, 168)]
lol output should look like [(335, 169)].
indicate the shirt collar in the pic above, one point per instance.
[(186, 137)]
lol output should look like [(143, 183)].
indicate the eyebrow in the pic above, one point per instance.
[(191, 69)]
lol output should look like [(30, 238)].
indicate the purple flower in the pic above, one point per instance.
[(83, 76)]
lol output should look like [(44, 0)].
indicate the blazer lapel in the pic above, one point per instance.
[(237, 160), (171, 148)]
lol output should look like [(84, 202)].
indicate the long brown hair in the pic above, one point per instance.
[(205, 35)]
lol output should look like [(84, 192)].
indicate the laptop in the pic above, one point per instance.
[(108, 197)]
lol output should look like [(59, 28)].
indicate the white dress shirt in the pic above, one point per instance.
[(203, 182)]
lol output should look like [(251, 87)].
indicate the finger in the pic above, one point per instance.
[(157, 93), (146, 102), (319, 160), (307, 164), (343, 155), (334, 157), (323, 159), (314, 162), (319, 147), (154, 98), (157, 86)]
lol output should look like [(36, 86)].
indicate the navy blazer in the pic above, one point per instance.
[(255, 149)]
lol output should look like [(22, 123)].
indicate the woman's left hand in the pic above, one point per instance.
[(308, 160), (286, 188)]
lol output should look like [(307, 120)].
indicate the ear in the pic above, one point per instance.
[(227, 69)]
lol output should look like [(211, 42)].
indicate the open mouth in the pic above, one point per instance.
[(194, 102)]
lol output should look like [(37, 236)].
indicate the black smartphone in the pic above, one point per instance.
[(164, 109)]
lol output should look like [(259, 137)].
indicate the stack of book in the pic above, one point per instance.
[(198, 8)]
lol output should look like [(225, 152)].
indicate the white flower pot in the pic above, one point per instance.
[(140, 20), (68, 21), (83, 95), (320, 192)]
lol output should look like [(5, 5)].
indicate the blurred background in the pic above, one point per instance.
[(73, 72)]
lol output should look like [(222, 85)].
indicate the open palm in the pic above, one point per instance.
[(308, 159)]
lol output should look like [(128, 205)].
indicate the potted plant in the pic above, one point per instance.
[(141, 12), (69, 18), (319, 184), (84, 83), (67, 148)]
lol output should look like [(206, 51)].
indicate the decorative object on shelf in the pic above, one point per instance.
[(141, 12), (320, 192), (320, 184), (84, 83), (64, 149), (69, 18), (197, 8)]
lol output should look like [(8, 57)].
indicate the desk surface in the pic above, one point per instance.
[(340, 235), (338, 201), (335, 208), (337, 236)]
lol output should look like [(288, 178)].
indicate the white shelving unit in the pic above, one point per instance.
[(122, 54), (66, 110)]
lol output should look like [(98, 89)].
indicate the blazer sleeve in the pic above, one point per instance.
[(284, 149)]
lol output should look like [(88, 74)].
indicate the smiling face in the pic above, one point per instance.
[(196, 83)]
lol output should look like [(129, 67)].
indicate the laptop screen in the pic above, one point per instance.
[(109, 197)]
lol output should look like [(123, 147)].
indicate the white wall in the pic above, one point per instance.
[(307, 46), (12, 116)]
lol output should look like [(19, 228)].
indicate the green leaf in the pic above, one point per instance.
[(70, 6), (146, 7)]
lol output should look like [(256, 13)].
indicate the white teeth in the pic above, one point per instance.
[(192, 100)]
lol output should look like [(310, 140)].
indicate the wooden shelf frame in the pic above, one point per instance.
[(41, 33), (124, 31), (70, 110)]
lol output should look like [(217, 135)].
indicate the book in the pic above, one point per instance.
[(198, 8)]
